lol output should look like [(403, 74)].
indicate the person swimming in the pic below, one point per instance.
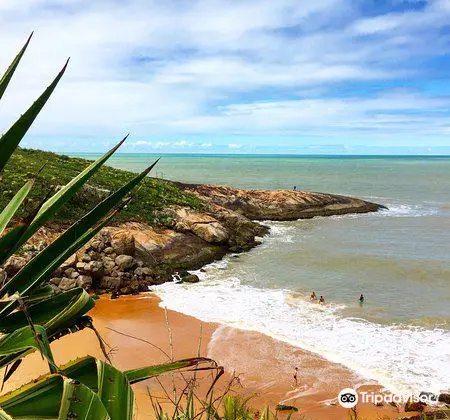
[(361, 298), (313, 296), (321, 300)]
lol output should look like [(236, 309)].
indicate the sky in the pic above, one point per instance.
[(233, 76)]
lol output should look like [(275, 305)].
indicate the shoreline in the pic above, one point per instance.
[(265, 366)]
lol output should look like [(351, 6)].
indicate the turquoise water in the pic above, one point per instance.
[(399, 258)]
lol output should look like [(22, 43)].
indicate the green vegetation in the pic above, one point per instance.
[(152, 196), (31, 315)]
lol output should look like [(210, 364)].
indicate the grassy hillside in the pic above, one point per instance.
[(153, 195)]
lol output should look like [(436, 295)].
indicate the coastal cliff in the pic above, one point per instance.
[(279, 205), (134, 255)]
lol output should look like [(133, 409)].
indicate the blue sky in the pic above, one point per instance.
[(244, 76)]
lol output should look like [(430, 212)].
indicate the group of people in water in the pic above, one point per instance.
[(322, 299)]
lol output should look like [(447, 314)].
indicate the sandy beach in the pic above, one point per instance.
[(265, 367)]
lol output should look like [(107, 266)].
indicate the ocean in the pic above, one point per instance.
[(399, 258)]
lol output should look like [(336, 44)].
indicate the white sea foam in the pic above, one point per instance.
[(402, 358)]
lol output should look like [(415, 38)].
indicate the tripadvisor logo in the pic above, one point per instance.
[(348, 398)]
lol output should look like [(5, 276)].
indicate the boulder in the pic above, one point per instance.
[(444, 398), (414, 406), (110, 283), (71, 273), (84, 281), (108, 250), (67, 284), (94, 268), (142, 271), (14, 264), (108, 264), (55, 281), (122, 242), (70, 262), (190, 278), (125, 262), (202, 225)]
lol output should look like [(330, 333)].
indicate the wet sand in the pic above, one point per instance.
[(265, 367)]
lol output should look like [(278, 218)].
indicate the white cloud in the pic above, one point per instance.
[(168, 69), (234, 146)]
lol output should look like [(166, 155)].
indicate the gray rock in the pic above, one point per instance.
[(67, 284), (81, 266), (86, 258), (15, 264), (70, 262), (112, 283), (84, 281), (108, 264), (125, 262), (190, 278), (71, 273), (108, 250), (123, 243), (98, 245), (55, 281), (142, 271), (95, 268), (444, 398)]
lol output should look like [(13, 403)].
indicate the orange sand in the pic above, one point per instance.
[(265, 366)]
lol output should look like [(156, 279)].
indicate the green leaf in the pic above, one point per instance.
[(81, 403), (35, 400), (12, 68), (24, 340), (9, 240), (11, 139), (10, 210), (54, 203), (54, 313), (54, 398), (115, 392), (38, 295), (111, 385), (140, 374)]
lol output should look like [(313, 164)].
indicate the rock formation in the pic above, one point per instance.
[(129, 258)]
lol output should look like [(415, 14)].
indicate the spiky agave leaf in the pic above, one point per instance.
[(4, 81), (11, 139), (23, 341), (110, 384), (141, 374), (54, 313), (54, 398), (10, 210)]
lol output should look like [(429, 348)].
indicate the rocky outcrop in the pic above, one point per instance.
[(129, 258), (279, 205)]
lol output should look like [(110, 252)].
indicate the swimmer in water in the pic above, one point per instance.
[(313, 296), (361, 298), (321, 300)]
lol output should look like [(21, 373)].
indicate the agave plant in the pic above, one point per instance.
[(32, 316)]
